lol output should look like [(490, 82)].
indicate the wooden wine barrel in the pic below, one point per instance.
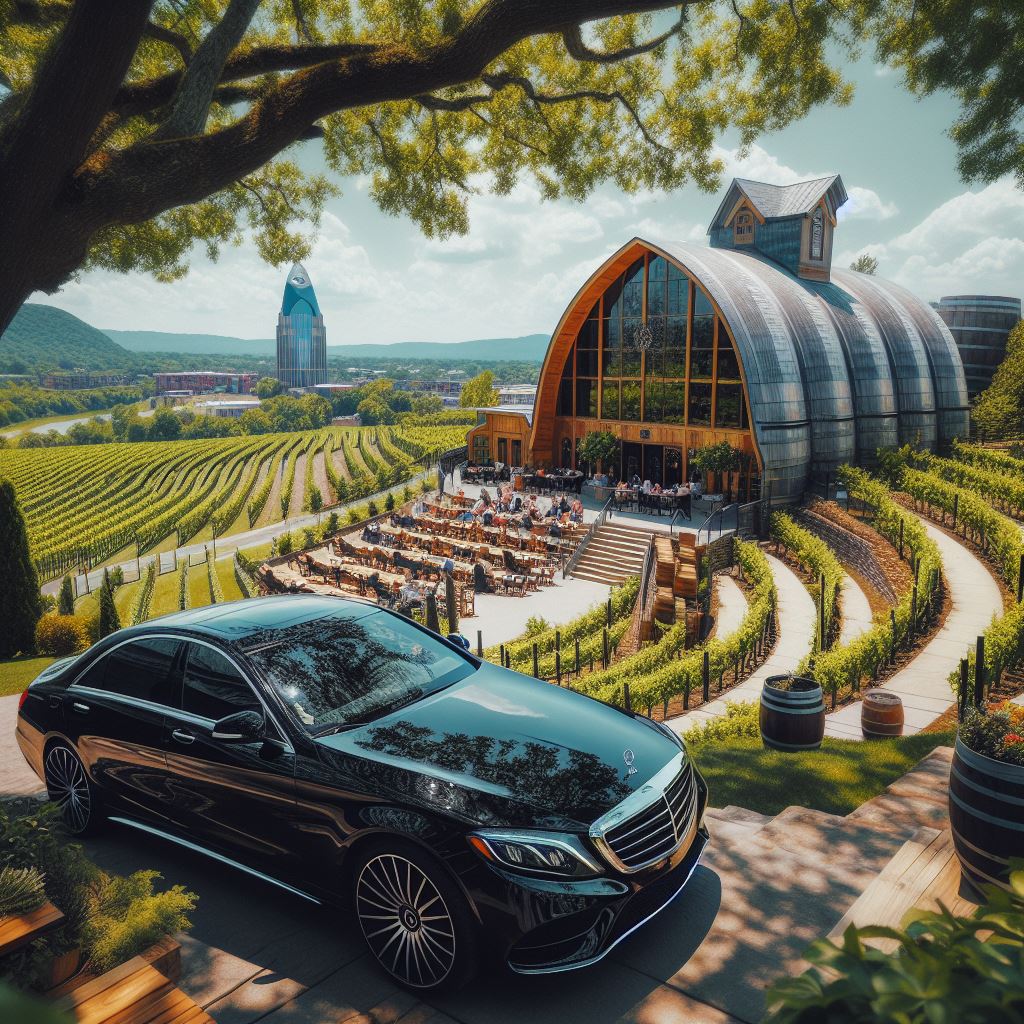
[(881, 714), (986, 815), (792, 719)]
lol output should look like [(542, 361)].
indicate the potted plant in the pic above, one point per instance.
[(792, 713), (986, 793), (599, 446), (720, 459)]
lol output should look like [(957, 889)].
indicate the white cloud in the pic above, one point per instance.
[(866, 204), (757, 164), (970, 243)]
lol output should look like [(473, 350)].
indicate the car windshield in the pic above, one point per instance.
[(339, 670)]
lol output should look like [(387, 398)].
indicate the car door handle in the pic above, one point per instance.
[(82, 709), (183, 736)]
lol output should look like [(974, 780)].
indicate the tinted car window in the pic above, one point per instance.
[(213, 687), (142, 669), (341, 668)]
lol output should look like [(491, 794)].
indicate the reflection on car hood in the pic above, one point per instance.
[(532, 753)]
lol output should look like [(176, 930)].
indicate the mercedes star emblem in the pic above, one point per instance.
[(629, 757)]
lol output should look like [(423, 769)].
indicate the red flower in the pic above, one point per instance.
[(1012, 737)]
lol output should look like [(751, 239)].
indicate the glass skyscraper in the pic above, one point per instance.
[(301, 336)]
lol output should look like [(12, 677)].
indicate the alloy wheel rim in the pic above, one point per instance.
[(405, 921), (68, 787)]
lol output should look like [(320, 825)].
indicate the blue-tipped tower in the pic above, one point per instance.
[(301, 336)]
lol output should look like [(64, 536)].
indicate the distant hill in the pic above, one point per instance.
[(46, 338), (530, 348), (194, 344)]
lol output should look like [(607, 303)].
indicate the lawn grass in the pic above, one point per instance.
[(836, 779), (17, 673), (165, 595)]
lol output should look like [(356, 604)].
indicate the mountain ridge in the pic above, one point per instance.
[(528, 348)]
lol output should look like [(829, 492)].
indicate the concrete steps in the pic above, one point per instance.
[(614, 553), (785, 880)]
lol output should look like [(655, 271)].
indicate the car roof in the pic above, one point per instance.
[(237, 621)]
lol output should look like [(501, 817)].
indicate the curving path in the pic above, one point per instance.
[(732, 605), (922, 683), (856, 609), (796, 621)]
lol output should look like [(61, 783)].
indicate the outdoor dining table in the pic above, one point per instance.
[(362, 572)]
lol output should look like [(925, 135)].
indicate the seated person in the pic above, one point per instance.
[(646, 487), (487, 517), (483, 574), (554, 530), (516, 504), (448, 566), (563, 505), (526, 522), (576, 512), (635, 482), (552, 511)]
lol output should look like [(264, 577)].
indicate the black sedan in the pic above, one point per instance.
[(348, 755)]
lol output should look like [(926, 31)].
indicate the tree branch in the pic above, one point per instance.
[(154, 175), (578, 49), (192, 102), (138, 97)]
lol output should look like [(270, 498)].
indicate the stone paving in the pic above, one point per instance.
[(796, 620), (732, 605), (856, 610), (923, 683)]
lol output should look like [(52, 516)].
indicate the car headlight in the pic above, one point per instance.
[(535, 853)]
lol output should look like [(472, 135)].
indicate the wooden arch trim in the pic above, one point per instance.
[(541, 438)]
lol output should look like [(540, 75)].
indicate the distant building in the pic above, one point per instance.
[(203, 382), (301, 335), (979, 325), (516, 394), (81, 381), (347, 421), (225, 408), (327, 390)]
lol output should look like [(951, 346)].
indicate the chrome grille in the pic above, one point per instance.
[(657, 828)]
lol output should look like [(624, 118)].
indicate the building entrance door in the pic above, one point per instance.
[(632, 460), (653, 462)]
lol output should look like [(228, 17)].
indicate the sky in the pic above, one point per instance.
[(379, 280)]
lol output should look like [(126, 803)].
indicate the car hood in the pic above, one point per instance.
[(500, 748)]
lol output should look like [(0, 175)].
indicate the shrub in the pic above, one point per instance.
[(389, 502), (372, 509), (998, 734), (945, 968), (67, 597), (536, 625), (111, 918), (739, 721), (308, 538), (333, 523), (127, 917), (21, 891), (285, 543), (60, 635)]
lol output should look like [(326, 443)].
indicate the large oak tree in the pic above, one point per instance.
[(130, 131)]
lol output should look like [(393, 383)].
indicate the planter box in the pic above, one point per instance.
[(986, 815)]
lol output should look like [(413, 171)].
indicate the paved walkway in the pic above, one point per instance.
[(732, 605), (856, 609), (796, 621), (922, 683)]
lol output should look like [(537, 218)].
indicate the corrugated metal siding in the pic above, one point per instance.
[(834, 370)]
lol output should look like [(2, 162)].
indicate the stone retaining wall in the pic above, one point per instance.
[(850, 549)]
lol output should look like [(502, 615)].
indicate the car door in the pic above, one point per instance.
[(114, 714), (235, 796)]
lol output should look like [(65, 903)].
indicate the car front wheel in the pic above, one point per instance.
[(415, 919), (68, 786)]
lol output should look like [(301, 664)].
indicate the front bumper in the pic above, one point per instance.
[(580, 940), (540, 926)]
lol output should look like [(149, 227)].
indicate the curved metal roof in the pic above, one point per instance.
[(833, 370)]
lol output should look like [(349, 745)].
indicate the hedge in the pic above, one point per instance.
[(665, 670), (845, 667), (814, 555)]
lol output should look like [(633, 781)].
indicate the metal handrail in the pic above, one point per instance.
[(596, 525), (720, 512), (643, 610)]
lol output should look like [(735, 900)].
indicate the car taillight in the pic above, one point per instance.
[(22, 699)]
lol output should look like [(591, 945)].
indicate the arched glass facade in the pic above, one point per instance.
[(672, 346)]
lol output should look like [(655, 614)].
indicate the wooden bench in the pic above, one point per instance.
[(923, 873), (134, 993), (19, 931)]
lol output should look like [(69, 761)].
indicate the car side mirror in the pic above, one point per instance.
[(458, 638), (241, 727)]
